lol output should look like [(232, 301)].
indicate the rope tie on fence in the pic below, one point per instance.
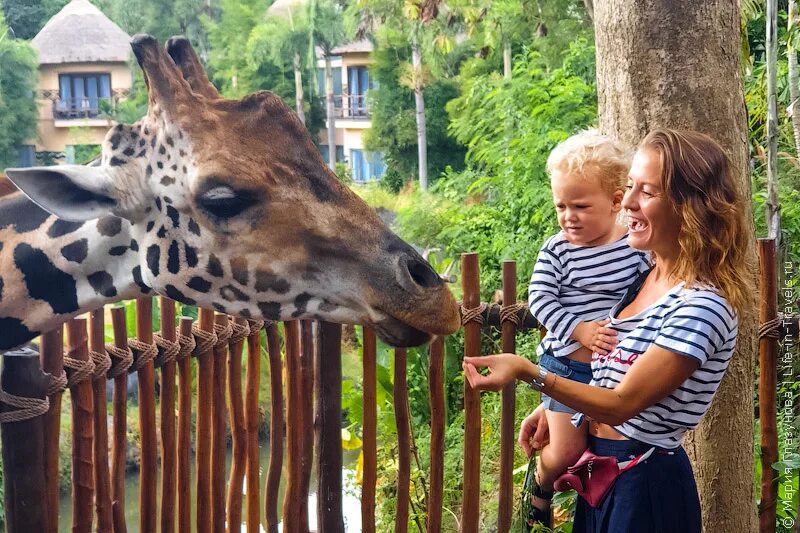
[(510, 313), (121, 360), (771, 328), (474, 314), (258, 325), (204, 340), (223, 333), (102, 363), (240, 331), (78, 370), (167, 350), (57, 383), (186, 344), (27, 408), (143, 353)]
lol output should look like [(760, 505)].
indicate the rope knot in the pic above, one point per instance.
[(204, 340), (26, 408), (102, 362), (511, 313), (167, 350), (474, 314), (121, 360), (78, 370), (240, 331), (186, 344), (223, 333), (143, 352)]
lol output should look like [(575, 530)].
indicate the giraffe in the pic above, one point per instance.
[(224, 204)]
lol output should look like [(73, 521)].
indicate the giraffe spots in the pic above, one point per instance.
[(148, 171), (181, 153), (191, 256), (153, 258), (301, 304), (219, 308), (172, 213), (173, 293), (199, 284), (166, 181), (270, 310), (44, 281), (162, 232), (76, 251), (184, 169), (158, 203), (1, 246), (14, 333), (327, 307), (232, 294), (214, 267), (116, 161), (141, 143), (150, 226), (102, 283), (153, 142), (21, 214), (239, 270), (245, 313), (137, 278), (170, 141), (129, 151), (109, 226), (266, 281), (60, 228), (167, 199), (193, 227), (115, 139), (160, 165), (117, 250), (134, 245), (173, 258), (162, 150), (174, 167)]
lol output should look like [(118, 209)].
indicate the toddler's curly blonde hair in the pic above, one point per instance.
[(592, 156)]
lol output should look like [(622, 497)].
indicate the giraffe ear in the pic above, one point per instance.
[(71, 192)]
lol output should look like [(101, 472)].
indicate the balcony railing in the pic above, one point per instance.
[(350, 106), (77, 108)]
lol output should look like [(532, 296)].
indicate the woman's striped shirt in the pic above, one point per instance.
[(573, 284), (694, 322)]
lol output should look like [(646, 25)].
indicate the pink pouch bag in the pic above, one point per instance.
[(594, 475)]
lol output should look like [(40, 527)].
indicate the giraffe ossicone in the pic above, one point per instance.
[(219, 203)]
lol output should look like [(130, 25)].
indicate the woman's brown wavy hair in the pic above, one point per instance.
[(713, 239)]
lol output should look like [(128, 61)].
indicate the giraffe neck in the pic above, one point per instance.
[(52, 270)]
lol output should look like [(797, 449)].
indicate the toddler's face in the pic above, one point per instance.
[(586, 213)]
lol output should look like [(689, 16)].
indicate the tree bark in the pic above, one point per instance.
[(794, 80), (507, 59), (677, 64), (773, 210), (298, 88), (419, 102), (329, 111)]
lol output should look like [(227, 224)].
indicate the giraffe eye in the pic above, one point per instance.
[(224, 202)]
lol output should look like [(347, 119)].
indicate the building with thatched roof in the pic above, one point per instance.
[(83, 72)]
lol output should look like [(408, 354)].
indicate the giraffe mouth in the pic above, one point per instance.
[(399, 334)]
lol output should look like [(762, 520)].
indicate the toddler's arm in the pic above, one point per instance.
[(543, 293)]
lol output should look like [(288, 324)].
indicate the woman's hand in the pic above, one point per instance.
[(503, 368), (603, 339), (533, 431)]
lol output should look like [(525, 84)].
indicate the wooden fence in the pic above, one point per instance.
[(304, 365)]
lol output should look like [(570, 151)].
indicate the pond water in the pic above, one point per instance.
[(351, 505)]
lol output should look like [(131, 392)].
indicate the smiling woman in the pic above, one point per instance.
[(670, 339)]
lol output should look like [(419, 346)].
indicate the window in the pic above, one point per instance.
[(27, 155), (366, 166), (337, 81), (80, 94), (357, 87), (323, 149)]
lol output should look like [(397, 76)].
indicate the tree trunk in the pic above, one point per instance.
[(329, 112), (298, 88), (794, 80), (419, 101), (507, 59), (772, 122), (677, 64)]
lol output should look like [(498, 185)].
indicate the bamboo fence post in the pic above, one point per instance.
[(102, 474), (403, 441), (507, 434), (167, 414), (436, 392), (205, 384), (52, 360), (295, 501), (184, 442), (82, 426), (252, 421), (238, 427), (276, 425), (218, 437), (767, 383), (370, 422), (329, 428), (119, 441), (307, 406), (23, 383), (148, 482), (470, 508)]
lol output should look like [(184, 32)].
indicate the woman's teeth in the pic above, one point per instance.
[(637, 225)]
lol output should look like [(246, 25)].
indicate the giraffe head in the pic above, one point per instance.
[(231, 207)]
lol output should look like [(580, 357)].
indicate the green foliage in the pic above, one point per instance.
[(27, 17), (18, 70)]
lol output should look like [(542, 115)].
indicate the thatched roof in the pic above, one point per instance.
[(282, 8), (364, 45), (81, 33)]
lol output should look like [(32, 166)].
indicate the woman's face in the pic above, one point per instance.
[(653, 224)]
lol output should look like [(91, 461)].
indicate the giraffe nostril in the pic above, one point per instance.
[(423, 274)]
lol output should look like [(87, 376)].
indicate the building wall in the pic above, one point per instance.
[(55, 135)]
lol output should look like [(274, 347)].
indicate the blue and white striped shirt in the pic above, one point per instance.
[(573, 284), (695, 322)]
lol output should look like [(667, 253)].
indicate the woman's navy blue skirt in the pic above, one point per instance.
[(656, 496)]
